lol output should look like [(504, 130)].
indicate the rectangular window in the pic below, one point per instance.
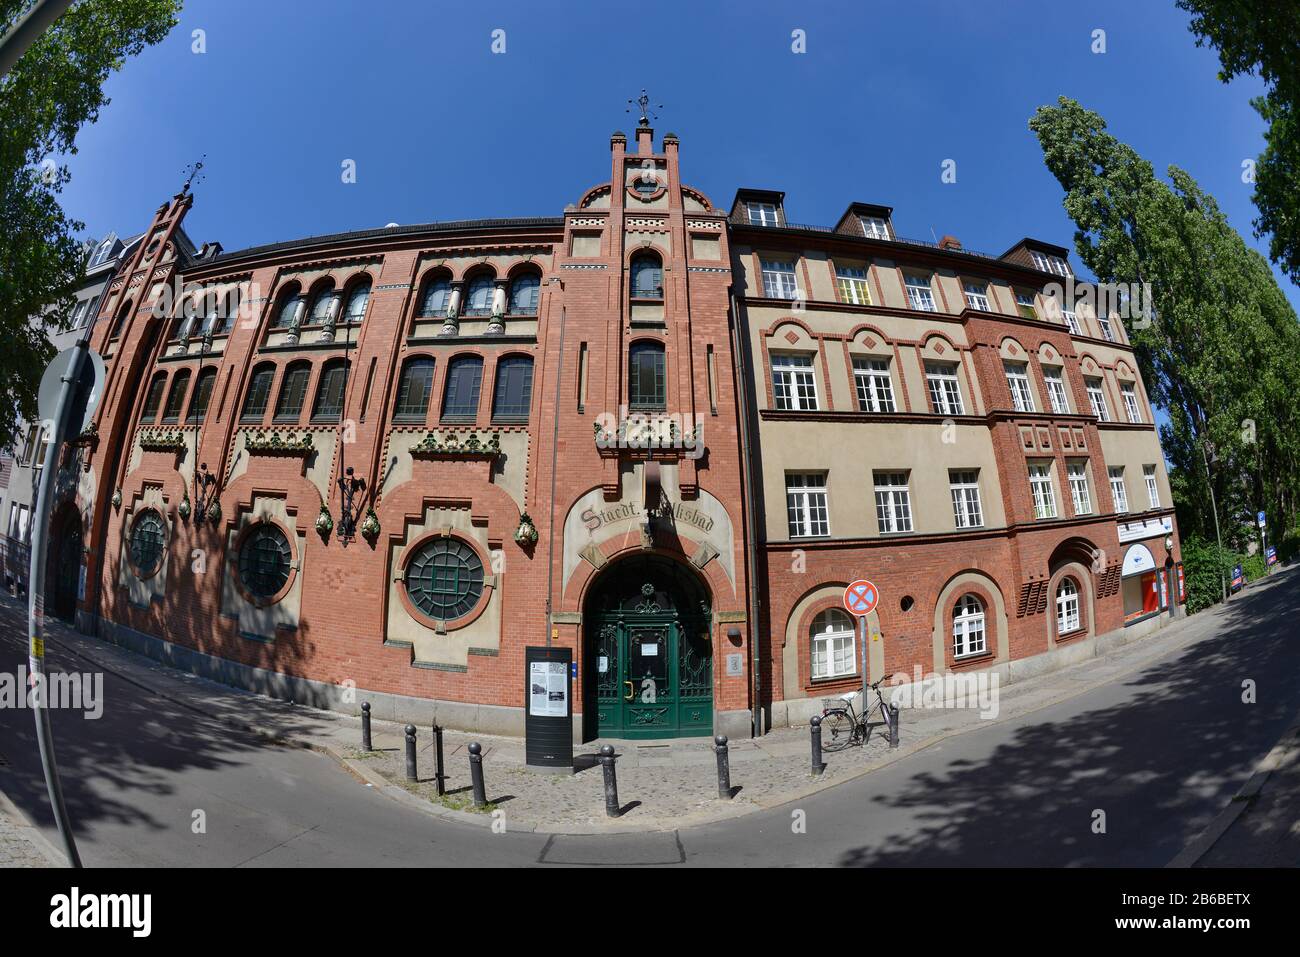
[(832, 654), (1080, 498), (920, 294), (1022, 395), (29, 446), (778, 280), (761, 214), (1025, 304), (1117, 491), (514, 389), (1153, 489), (43, 437), (805, 500), (977, 296), (1056, 393), (873, 227), (792, 383), (1129, 392), (329, 393), (1040, 484), (1097, 399), (875, 390), (968, 637), (1071, 320), (893, 503), (1040, 261), (1107, 332), (965, 489), (851, 283), (945, 393)]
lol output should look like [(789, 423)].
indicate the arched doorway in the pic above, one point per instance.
[(648, 657), (64, 570)]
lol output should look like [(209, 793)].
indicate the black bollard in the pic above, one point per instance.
[(410, 753), (724, 767), (816, 723), (440, 769), (365, 727), (607, 758), (476, 774), (893, 725)]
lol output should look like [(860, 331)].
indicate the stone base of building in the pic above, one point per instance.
[(795, 712)]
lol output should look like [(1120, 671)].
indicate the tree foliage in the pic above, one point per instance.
[(1221, 350), (45, 99), (1263, 37)]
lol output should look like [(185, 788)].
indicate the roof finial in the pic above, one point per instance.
[(193, 174), (643, 101)]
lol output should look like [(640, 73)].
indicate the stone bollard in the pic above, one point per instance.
[(410, 753), (440, 768), (607, 758), (476, 774), (893, 725), (366, 744), (816, 725), (724, 767)]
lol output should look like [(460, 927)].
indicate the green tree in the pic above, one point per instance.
[(1220, 351), (1263, 37), (50, 93)]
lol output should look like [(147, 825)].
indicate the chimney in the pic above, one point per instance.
[(645, 137), (950, 242)]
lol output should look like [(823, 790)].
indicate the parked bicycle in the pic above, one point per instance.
[(843, 726)]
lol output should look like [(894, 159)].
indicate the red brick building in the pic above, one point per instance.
[(379, 465)]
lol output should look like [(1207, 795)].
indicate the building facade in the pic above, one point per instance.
[(663, 434)]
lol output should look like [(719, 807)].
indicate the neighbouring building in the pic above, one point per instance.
[(665, 434)]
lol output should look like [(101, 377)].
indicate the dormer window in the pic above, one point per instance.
[(761, 214), (1048, 263), (873, 227)]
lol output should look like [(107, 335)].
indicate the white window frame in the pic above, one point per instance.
[(944, 388), (977, 296), (964, 485), (1118, 492), (1057, 395), (835, 643), (893, 502), (807, 505), (794, 383), (1067, 608), (1022, 392), (1128, 391), (969, 635), (1107, 331), (1040, 488), (1080, 495), (1097, 399), (1072, 321), (851, 282), (874, 387), (765, 212), (780, 279), (874, 227), (1153, 485), (920, 292)]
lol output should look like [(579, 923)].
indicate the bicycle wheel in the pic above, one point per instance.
[(837, 730)]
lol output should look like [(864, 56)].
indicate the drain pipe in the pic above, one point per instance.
[(747, 495), (555, 457)]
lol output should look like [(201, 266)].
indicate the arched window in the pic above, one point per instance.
[(231, 309), (460, 400), (202, 395), (1067, 607), (322, 301), (211, 306), (832, 645), (287, 306), (444, 579), (154, 400), (293, 392), (968, 635), (414, 389), (148, 543), (120, 321), (647, 382), (265, 560), (647, 277), (329, 392), (524, 291), (259, 394), (176, 397), (188, 319), (358, 299), (478, 297), (514, 389), (437, 295)]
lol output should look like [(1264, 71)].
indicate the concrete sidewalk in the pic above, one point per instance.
[(663, 785)]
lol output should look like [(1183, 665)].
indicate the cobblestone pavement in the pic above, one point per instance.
[(20, 844), (662, 785)]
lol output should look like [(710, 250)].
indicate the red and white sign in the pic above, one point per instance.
[(861, 598)]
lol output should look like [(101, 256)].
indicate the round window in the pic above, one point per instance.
[(444, 579), (265, 560), (148, 541)]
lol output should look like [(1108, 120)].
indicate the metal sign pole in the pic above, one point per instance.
[(862, 639)]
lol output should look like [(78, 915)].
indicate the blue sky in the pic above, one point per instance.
[(440, 127)]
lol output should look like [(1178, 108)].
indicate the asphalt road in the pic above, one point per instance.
[(1153, 757)]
